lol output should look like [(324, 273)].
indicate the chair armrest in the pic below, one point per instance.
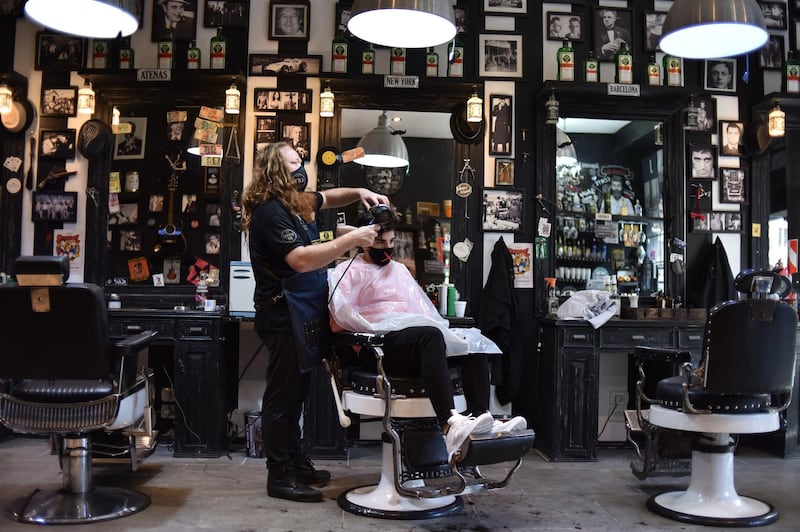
[(362, 339), (134, 344), (661, 354)]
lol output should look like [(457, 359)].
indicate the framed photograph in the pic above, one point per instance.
[(774, 14), (176, 18), (155, 203), (298, 135), (278, 100), (562, 26), (770, 57), (504, 172), (12, 8), (128, 214), (266, 129), (612, 27), (720, 75), (499, 56), (653, 24), (500, 125), (213, 214), (702, 161), (59, 101), (226, 14), (701, 114), (288, 20), (172, 271), (701, 194), (462, 19), (58, 52), (138, 270), (503, 209), (733, 185), (343, 13), (131, 145), (212, 241), (57, 144), (733, 222), (730, 138), (716, 222), (56, 207), (280, 65), (212, 180), (511, 7)]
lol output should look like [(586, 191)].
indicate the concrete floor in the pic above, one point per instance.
[(228, 493)]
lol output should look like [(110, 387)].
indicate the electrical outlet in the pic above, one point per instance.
[(618, 398)]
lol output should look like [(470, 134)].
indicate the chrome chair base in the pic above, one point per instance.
[(57, 507)]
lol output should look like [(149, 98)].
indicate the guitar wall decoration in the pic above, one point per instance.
[(170, 241)]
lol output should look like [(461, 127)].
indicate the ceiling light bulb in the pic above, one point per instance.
[(6, 99), (403, 23), (100, 19)]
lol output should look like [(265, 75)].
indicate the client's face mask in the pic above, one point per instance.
[(381, 257), (300, 179)]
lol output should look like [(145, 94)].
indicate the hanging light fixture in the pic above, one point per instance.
[(100, 19), (706, 29), (326, 105), (777, 122), (383, 147), (6, 99), (232, 99), (565, 149), (86, 99), (474, 107), (551, 109), (403, 23)]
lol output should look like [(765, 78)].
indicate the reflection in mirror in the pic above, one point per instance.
[(609, 196)]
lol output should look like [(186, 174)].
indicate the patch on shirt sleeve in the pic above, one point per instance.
[(288, 235)]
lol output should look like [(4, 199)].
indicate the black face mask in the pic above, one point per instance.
[(381, 257), (300, 179)]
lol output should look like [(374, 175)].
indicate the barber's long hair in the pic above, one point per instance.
[(271, 180)]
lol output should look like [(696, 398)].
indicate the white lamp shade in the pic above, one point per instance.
[(86, 100), (382, 148), (99, 19), (707, 29), (326, 103), (403, 23)]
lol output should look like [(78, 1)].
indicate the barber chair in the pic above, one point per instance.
[(418, 479), (60, 375), (744, 382)]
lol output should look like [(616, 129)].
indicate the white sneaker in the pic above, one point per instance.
[(515, 424), (460, 427)]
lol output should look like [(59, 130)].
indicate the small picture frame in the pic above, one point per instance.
[(499, 55), (716, 222), (55, 207), (653, 25), (178, 19), (774, 14), (226, 14), (343, 13), (130, 240), (59, 52), (462, 19), (212, 180), (12, 8), (770, 56), (212, 244), (720, 75), (700, 195), (297, 135), (128, 214), (155, 203), (611, 27), (282, 100), (59, 101), (289, 20), (283, 65), (501, 131), (733, 185), (172, 271), (730, 138), (702, 161), (506, 7), (503, 209), (213, 214), (131, 145), (701, 114), (266, 129), (504, 172), (189, 203), (138, 270), (564, 26), (57, 144)]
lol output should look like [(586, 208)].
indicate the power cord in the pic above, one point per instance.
[(178, 404), (610, 415)]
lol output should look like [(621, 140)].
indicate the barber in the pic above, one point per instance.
[(289, 264)]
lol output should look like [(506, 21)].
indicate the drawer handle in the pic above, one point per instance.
[(579, 336), (195, 329), (637, 337), (695, 337), (131, 328)]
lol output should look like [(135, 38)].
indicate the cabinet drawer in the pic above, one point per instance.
[(633, 337), (578, 337), (196, 329), (690, 339), (165, 328)]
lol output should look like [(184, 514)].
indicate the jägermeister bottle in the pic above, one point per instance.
[(591, 68), (192, 57), (791, 73), (217, 49), (125, 54), (624, 64), (455, 67), (566, 62), (673, 77), (431, 63), (397, 65), (100, 54), (339, 54), (166, 49), (368, 60), (653, 72)]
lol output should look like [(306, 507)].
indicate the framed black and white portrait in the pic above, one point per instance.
[(503, 209), (511, 7), (720, 75), (774, 14), (612, 27), (730, 138), (59, 207), (462, 19), (59, 101), (266, 129), (702, 161), (770, 56), (500, 56), (58, 52), (175, 18), (344, 11), (281, 65), (701, 114), (289, 20), (57, 144), (226, 14), (282, 100), (733, 185), (131, 145), (653, 24), (564, 26), (504, 172), (297, 135), (501, 117)]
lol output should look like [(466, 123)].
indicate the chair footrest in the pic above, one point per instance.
[(488, 449)]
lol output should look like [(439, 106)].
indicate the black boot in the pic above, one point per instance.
[(283, 484), (304, 470)]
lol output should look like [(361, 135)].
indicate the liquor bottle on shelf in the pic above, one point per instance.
[(455, 65), (192, 56), (791, 73), (166, 49), (431, 63), (397, 65), (653, 72), (99, 54), (217, 48), (624, 64), (591, 68), (368, 60), (673, 75), (339, 54), (566, 62), (126, 57)]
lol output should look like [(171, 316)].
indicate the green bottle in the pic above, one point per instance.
[(455, 67), (397, 65), (99, 54), (791, 74), (192, 57), (368, 60), (218, 51), (673, 77), (166, 49), (653, 72), (591, 68), (624, 63), (431, 63), (126, 54), (339, 54), (566, 62)]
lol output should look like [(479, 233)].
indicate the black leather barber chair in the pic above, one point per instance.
[(743, 383), (61, 375), (418, 480)]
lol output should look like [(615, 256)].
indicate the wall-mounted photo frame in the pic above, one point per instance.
[(281, 65), (59, 52), (298, 135), (343, 13), (128, 214), (733, 185), (462, 19), (721, 221), (59, 101), (653, 25), (266, 129), (212, 180), (774, 14), (770, 56), (138, 269), (730, 138), (499, 55), (503, 209), (172, 271), (289, 20), (12, 8), (501, 116), (701, 113), (611, 27), (131, 145), (55, 207), (57, 144), (504, 172), (282, 100), (700, 194), (178, 19), (701, 161), (506, 7), (564, 26), (720, 75), (233, 14)]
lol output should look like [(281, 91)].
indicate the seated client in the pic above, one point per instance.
[(373, 293)]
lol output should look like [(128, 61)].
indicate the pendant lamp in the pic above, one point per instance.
[(86, 99), (403, 23), (6, 98), (99, 19), (383, 147), (474, 107), (777, 122), (707, 29)]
